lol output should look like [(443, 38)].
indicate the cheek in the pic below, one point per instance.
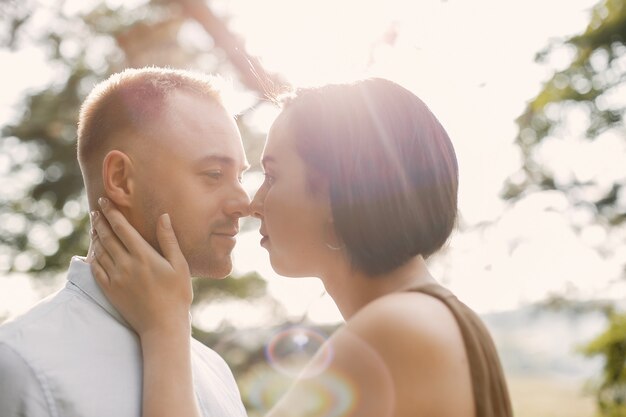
[(274, 215), (278, 201), (195, 209), (292, 221), (189, 205)]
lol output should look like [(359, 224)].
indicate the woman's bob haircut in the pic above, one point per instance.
[(388, 164)]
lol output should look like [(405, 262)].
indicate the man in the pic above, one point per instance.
[(153, 141)]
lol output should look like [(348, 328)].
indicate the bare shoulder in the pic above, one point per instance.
[(418, 339), (400, 356), (408, 317)]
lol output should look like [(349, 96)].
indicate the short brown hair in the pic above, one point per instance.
[(390, 167), (132, 101)]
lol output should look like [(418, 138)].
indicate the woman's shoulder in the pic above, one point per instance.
[(407, 316), (418, 339)]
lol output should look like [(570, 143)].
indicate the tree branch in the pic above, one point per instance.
[(252, 74)]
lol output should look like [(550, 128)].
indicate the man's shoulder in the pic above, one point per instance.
[(203, 351), (21, 392), (22, 332), (45, 320), (208, 357), (66, 332), (13, 366), (37, 315), (214, 380)]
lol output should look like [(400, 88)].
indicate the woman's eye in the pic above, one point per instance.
[(269, 179)]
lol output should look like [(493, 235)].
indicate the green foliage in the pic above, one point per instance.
[(591, 88), (591, 85), (611, 346), (249, 285)]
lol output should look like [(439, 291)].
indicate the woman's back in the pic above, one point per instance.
[(434, 353), (491, 396), (416, 340)]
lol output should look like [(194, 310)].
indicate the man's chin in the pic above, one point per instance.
[(214, 271), (206, 260)]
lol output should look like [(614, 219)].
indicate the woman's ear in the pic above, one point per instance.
[(117, 178)]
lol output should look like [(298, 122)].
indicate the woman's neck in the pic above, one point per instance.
[(352, 290)]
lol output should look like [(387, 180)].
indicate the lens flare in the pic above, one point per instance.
[(262, 387), (328, 395), (298, 351)]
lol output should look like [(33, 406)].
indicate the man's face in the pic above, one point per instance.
[(191, 168)]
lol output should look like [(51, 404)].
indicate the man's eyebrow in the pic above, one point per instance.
[(222, 159)]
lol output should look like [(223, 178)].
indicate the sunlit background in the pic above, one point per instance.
[(473, 63)]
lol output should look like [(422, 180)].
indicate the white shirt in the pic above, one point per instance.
[(73, 355)]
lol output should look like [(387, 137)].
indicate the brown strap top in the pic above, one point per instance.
[(491, 396)]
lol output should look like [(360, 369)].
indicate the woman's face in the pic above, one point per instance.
[(294, 221)]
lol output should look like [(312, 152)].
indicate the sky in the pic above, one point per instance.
[(473, 64)]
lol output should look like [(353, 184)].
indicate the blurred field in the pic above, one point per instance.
[(541, 396)]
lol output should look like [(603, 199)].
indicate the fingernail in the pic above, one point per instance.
[(94, 215), (103, 202), (92, 232), (166, 221)]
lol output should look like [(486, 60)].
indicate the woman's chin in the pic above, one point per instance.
[(288, 271), (279, 267)]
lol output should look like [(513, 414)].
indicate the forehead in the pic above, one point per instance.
[(193, 127), (280, 137)]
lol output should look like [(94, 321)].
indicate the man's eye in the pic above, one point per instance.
[(216, 175)]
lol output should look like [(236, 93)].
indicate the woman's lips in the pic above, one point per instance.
[(263, 233), (264, 238)]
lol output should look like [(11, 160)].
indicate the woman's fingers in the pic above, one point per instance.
[(100, 275), (108, 240), (102, 256), (122, 229), (169, 244)]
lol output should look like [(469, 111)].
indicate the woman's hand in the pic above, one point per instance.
[(153, 293)]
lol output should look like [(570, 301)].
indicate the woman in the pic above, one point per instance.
[(360, 188)]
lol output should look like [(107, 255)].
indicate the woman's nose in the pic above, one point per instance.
[(256, 205)]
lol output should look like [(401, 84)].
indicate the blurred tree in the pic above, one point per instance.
[(611, 346), (576, 122), (43, 211), (590, 89)]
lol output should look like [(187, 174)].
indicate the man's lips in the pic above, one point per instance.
[(230, 232)]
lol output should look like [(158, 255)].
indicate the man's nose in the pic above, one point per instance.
[(238, 205)]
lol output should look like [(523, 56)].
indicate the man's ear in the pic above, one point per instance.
[(117, 178)]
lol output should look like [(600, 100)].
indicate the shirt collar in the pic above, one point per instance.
[(79, 274)]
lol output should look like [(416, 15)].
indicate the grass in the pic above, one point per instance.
[(545, 396)]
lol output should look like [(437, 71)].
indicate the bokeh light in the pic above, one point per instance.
[(290, 352)]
